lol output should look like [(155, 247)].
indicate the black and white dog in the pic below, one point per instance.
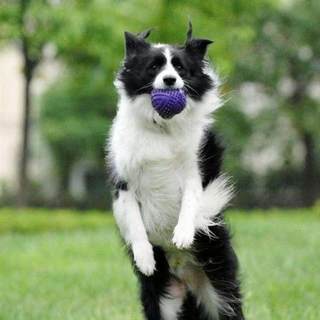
[(169, 191)]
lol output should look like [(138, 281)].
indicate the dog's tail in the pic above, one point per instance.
[(216, 197)]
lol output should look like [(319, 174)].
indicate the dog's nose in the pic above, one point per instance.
[(169, 81)]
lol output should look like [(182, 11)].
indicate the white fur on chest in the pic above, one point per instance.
[(159, 192), (152, 160), (161, 201)]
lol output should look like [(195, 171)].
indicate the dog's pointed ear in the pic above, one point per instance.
[(197, 47), (145, 34), (189, 32), (134, 43)]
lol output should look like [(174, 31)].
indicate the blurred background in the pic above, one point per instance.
[(58, 59)]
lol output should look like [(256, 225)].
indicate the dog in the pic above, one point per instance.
[(169, 192)]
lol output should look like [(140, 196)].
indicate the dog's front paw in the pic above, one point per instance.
[(143, 257), (183, 235)]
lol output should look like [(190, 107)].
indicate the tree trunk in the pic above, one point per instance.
[(64, 173), (309, 191), (23, 165), (309, 170), (29, 65)]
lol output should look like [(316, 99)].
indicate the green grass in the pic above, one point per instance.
[(64, 265)]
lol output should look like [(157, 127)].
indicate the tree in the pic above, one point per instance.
[(74, 120), (92, 47), (68, 25), (76, 111), (285, 50), (88, 37), (30, 24)]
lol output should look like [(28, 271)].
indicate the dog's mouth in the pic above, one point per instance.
[(168, 102)]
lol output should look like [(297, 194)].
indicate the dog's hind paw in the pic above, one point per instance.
[(144, 258), (183, 236)]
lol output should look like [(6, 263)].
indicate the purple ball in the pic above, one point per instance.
[(168, 102)]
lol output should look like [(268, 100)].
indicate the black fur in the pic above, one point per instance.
[(143, 62), (189, 64), (210, 158), (120, 185), (191, 310), (152, 288), (220, 265), (116, 182)]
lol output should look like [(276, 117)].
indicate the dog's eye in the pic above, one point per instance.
[(177, 64), (156, 63), (154, 66)]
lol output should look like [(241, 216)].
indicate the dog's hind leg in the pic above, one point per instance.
[(218, 261), (171, 303), (192, 309), (161, 294)]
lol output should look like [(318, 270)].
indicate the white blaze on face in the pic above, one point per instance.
[(168, 71)]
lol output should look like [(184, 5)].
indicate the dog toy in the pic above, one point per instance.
[(168, 102)]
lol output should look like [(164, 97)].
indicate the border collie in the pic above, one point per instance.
[(169, 192)]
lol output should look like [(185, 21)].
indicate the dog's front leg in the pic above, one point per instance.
[(127, 213), (185, 229)]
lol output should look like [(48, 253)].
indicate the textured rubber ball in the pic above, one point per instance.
[(168, 102)]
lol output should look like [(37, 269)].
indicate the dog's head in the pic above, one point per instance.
[(161, 66)]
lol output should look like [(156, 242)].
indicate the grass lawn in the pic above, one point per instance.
[(63, 265)]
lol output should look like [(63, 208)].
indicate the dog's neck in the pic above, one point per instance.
[(138, 112)]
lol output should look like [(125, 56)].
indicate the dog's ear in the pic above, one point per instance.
[(189, 32), (145, 34), (196, 47), (135, 43)]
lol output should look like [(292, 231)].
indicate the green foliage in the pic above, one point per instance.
[(283, 60), (75, 119), (85, 274), (92, 48), (31, 24), (262, 42)]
